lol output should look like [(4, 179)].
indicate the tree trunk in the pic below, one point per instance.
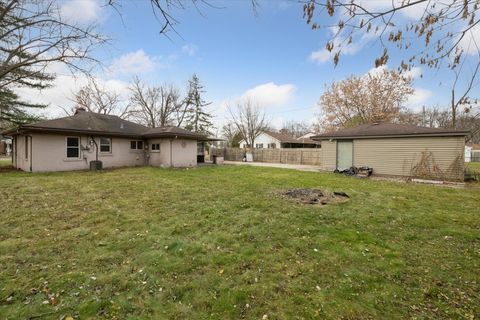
[(454, 110)]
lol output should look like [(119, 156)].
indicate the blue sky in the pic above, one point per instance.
[(267, 56)]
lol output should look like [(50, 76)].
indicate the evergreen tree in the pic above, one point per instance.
[(33, 35), (197, 118), (14, 111)]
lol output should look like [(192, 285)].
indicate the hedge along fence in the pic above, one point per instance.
[(308, 156)]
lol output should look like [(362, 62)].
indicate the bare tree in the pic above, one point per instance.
[(295, 128), (443, 27), (162, 10), (156, 106), (95, 97), (33, 35), (435, 34), (249, 120), (462, 100), (230, 132), (371, 98)]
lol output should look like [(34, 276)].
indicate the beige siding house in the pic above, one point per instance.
[(71, 143), (396, 150)]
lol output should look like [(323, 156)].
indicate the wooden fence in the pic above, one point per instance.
[(309, 156)]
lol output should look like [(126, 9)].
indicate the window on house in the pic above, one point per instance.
[(259, 146), (155, 146), (73, 147), (105, 145), (136, 145), (26, 147), (271, 145)]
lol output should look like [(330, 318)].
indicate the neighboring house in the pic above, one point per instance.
[(307, 136), (271, 140), (468, 153), (70, 143), (396, 150), (5, 146), (475, 153)]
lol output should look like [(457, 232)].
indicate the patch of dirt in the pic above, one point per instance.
[(315, 196)]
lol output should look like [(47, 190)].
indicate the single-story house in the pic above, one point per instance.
[(71, 143), (307, 136), (396, 150), (271, 140)]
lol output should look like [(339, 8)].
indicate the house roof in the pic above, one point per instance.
[(171, 131), (285, 138), (95, 124), (378, 130)]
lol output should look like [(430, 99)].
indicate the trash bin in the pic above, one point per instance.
[(96, 165), (218, 160)]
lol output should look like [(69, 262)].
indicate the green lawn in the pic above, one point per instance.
[(218, 243), (475, 166), (5, 161)]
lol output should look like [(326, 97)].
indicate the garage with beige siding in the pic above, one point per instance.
[(396, 150)]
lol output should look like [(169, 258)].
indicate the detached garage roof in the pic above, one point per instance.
[(386, 130)]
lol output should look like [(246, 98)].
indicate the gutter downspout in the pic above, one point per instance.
[(96, 148), (31, 153), (15, 151), (171, 163), (171, 155)]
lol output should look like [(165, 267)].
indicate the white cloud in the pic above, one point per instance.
[(321, 56), (418, 98), (413, 73), (378, 70), (264, 96), (134, 63), (269, 94), (414, 12), (63, 88), (420, 95), (189, 49), (82, 11), (341, 44), (470, 43)]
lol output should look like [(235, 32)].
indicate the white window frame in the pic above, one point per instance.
[(155, 150), (77, 147), (109, 145), (136, 144), (259, 146)]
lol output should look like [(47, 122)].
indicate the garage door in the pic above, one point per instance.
[(344, 154)]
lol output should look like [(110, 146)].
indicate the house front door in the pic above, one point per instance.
[(344, 154)]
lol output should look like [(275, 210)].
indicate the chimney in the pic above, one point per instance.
[(80, 109)]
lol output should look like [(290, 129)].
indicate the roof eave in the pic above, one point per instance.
[(173, 135), (23, 129)]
